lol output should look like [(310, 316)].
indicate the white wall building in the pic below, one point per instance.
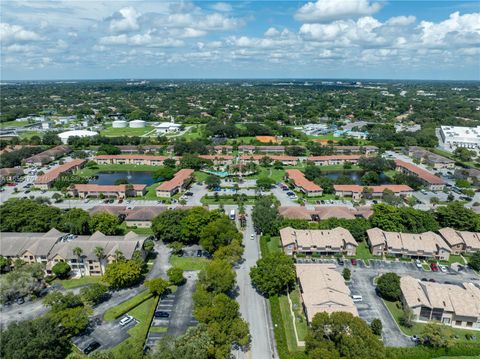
[(456, 136), (64, 136), (119, 124), (166, 127), (137, 124)]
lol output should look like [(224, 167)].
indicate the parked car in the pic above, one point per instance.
[(199, 253), (432, 280), (354, 262), (20, 300), (252, 236), (160, 314), (189, 194), (434, 266), (418, 263), (91, 347), (341, 261), (424, 280), (443, 268), (125, 320)]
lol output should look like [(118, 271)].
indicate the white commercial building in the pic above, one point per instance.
[(137, 124), (456, 136), (166, 127), (64, 136), (119, 124)]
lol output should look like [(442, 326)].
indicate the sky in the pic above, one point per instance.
[(357, 39)]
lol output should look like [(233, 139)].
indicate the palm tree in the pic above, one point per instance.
[(78, 252), (99, 252), (118, 254)]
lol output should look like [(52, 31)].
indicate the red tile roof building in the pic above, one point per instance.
[(178, 183), (130, 159), (334, 159), (46, 180), (118, 191), (433, 182), (303, 184), (356, 191)]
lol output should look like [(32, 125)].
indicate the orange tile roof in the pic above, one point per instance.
[(176, 181), (376, 189), (92, 187), (216, 157), (266, 139), (131, 157), (300, 181), (420, 172), (335, 157), (283, 158), (56, 172)]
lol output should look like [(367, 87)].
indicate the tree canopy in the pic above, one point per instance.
[(388, 285), (274, 274)]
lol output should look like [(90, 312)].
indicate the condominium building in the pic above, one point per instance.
[(433, 182), (323, 290), (367, 150), (334, 160), (461, 241), (450, 304), (422, 245), (302, 184), (356, 191), (178, 183), (430, 158), (217, 160), (48, 156), (130, 160), (457, 136), (46, 180), (320, 213), (318, 241), (117, 191)]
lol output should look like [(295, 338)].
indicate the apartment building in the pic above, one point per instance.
[(46, 180), (302, 184), (117, 191), (142, 217), (334, 160), (472, 175), (454, 305), (461, 241), (323, 290), (54, 246), (318, 241), (432, 182), (411, 245), (285, 160), (178, 183), (320, 213), (218, 160), (130, 160), (346, 150), (429, 158), (357, 191), (48, 156)]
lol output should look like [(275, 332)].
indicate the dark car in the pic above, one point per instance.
[(199, 253), (189, 194), (20, 300), (340, 261), (432, 280), (424, 280), (91, 347), (354, 261), (160, 314)]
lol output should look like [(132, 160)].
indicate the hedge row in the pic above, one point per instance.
[(421, 352)]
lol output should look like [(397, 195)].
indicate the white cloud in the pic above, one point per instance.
[(14, 33), (222, 7), (272, 32), (401, 20), (329, 10), (127, 21), (146, 39)]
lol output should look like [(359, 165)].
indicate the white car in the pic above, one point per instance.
[(252, 236), (125, 320), (418, 263), (443, 268)]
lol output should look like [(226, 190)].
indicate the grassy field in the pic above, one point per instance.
[(194, 133), (188, 263), (141, 231), (29, 134), (13, 124), (363, 252), (417, 328), (127, 306), (116, 132), (453, 259), (78, 282)]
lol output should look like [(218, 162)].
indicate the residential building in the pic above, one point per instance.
[(246, 148), (411, 245), (117, 191), (457, 136), (302, 184), (356, 191), (167, 127), (431, 159), (178, 183), (449, 304), (433, 182), (472, 175), (285, 160), (461, 241), (223, 149), (346, 150), (10, 174), (46, 180), (48, 156), (137, 159), (270, 149), (323, 290), (142, 217), (218, 160), (318, 241), (334, 160), (320, 213)]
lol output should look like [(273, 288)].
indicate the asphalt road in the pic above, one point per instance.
[(253, 306)]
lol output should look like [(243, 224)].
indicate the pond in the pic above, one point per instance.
[(355, 176), (133, 177)]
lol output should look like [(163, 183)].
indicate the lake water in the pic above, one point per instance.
[(355, 176), (132, 177)]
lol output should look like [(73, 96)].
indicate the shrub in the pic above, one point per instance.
[(61, 270)]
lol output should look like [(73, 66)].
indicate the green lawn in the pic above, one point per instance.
[(13, 124), (78, 282), (200, 176), (127, 306), (116, 132), (141, 231), (417, 328), (189, 263), (194, 133), (363, 252), (29, 134), (453, 259), (272, 246), (300, 320), (158, 329)]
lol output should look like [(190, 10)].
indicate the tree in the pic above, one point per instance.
[(389, 197), (157, 286), (437, 336), (218, 233), (75, 221), (464, 154), (370, 178), (457, 216), (341, 334), (196, 343), (23, 280), (61, 270), (376, 164), (94, 293), (100, 254), (265, 183), (79, 252), (212, 182), (73, 320), (40, 338), (347, 274), (169, 162), (175, 276), (273, 274), (167, 225), (106, 223), (107, 149), (123, 274), (265, 215), (474, 261), (148, 245), (217, 277), (192, 224), (5, 264), (58, 301), (232, 253), (51, 138), (26, 215), (164, 173), (403, 219), (376, 327), (388, 285)]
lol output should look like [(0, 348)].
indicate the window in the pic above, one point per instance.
[(469, 324), (446, 320), (458, 322)]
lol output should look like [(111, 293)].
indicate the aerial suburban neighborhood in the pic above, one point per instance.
[(238, 180)]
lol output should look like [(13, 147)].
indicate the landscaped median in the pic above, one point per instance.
[(78, 282), (188, 263), (125, 307)]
